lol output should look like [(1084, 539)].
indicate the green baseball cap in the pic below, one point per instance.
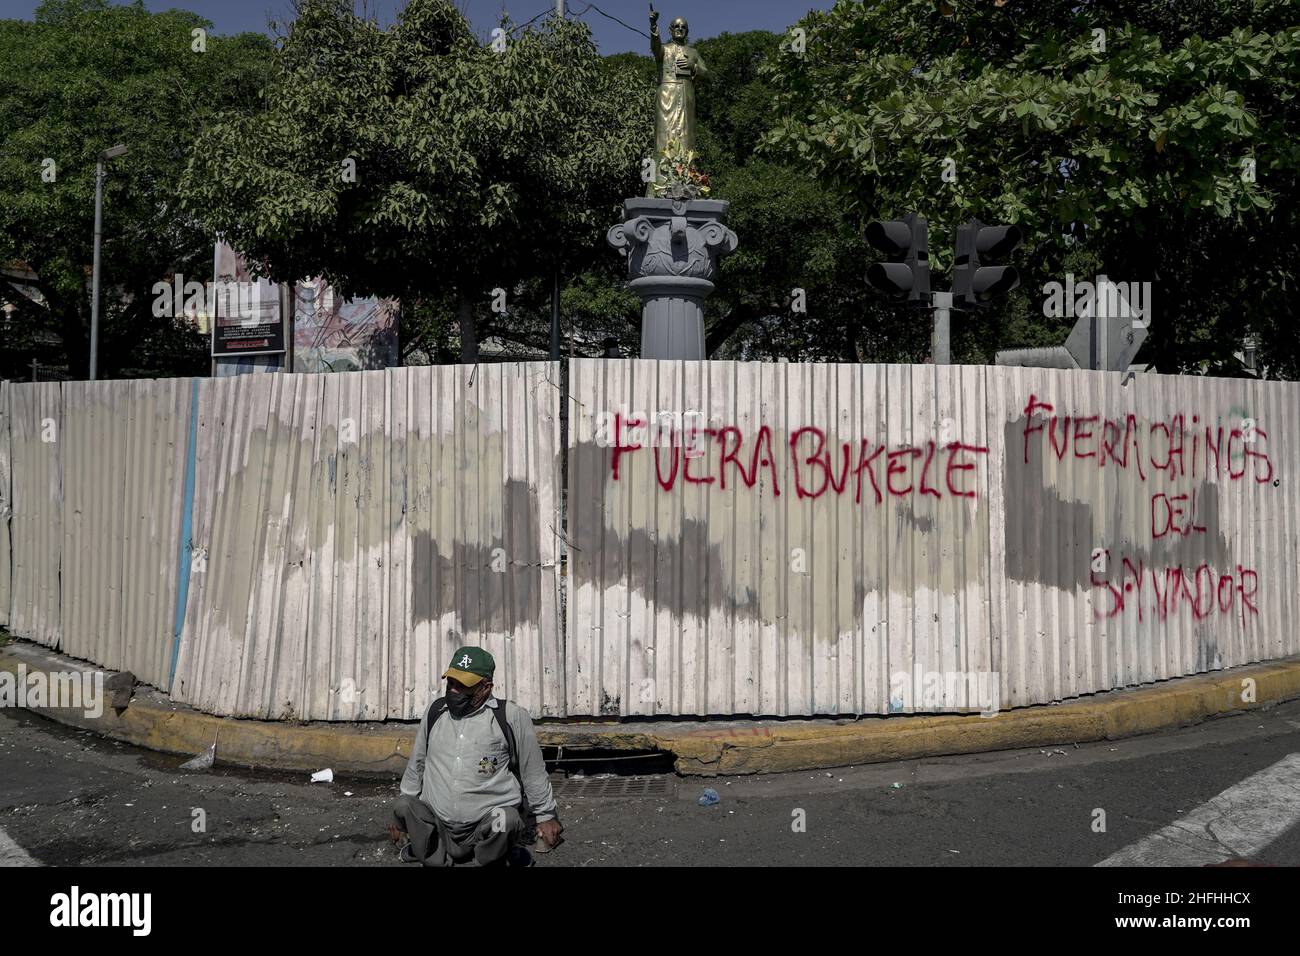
[(469, 665)]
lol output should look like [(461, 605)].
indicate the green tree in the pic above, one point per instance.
[(795, 287), (81, 77), (1160, 139), (420, 163)]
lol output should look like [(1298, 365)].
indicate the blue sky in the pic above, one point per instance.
[(707, 18)]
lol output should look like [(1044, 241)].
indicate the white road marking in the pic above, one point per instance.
[(11, 854), (1239, 822)]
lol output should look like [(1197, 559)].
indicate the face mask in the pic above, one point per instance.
[(459, 705)]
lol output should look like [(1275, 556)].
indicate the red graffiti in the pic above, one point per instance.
[(675, 458), (896, 467), (1159, 446), (1202, 591), (953, 450), (621, 449), (1174, 514), (817, 466)]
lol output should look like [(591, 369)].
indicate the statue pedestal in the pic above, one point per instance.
[(672, 248)]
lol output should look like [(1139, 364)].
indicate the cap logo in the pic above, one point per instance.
[(465, 660)]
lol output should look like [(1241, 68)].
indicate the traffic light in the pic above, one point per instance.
[(975, 283), (906, 244)]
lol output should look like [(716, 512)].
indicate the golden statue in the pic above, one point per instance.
[(679, 67)]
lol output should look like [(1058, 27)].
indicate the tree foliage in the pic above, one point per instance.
[(417, 161), (83, 76), (1156, 139), (800, 243), (1149, 140)]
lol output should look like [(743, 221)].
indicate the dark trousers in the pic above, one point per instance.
[(436, 842)]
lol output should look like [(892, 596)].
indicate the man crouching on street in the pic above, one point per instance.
[(476, 781)]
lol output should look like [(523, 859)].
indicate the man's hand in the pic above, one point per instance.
[(683, 64), (549, 832), (654, 17), (394, 834)]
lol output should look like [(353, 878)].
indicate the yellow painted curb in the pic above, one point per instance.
[(701, 748), (173, 728), (778, 747)]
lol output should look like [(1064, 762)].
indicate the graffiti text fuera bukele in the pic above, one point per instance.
[(862, 467)]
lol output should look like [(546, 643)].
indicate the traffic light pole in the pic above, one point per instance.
[(941, 303), (904, 275)]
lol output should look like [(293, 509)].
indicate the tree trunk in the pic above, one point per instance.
[(468, 331), (74, 320), (849, 349), (725, 327)]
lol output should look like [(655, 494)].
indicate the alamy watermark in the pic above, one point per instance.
[(62, 690), (249, 301), (1115, 300), (933, 691), (74, 909), (663, 428)]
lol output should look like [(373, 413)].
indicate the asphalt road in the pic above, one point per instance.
[(70, 798)]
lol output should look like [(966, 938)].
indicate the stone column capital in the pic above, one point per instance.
[(667, 237), (672, 248)]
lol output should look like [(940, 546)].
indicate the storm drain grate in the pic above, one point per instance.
[(613, 786)]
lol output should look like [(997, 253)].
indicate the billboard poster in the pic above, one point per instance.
[(331, 334), (246, 317)]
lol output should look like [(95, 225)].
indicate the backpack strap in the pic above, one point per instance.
[(525, 809), (436, 710), (499, 712)]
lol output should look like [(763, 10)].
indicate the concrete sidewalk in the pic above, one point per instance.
[(700, 748)]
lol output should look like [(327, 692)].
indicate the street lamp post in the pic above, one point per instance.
[(555, 277), (111, 153)]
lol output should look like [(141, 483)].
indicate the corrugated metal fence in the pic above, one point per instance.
[(95, 504), (351, 530), (36, 525), (742, 538), (838, 539), (6, 507), (124, 446)]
